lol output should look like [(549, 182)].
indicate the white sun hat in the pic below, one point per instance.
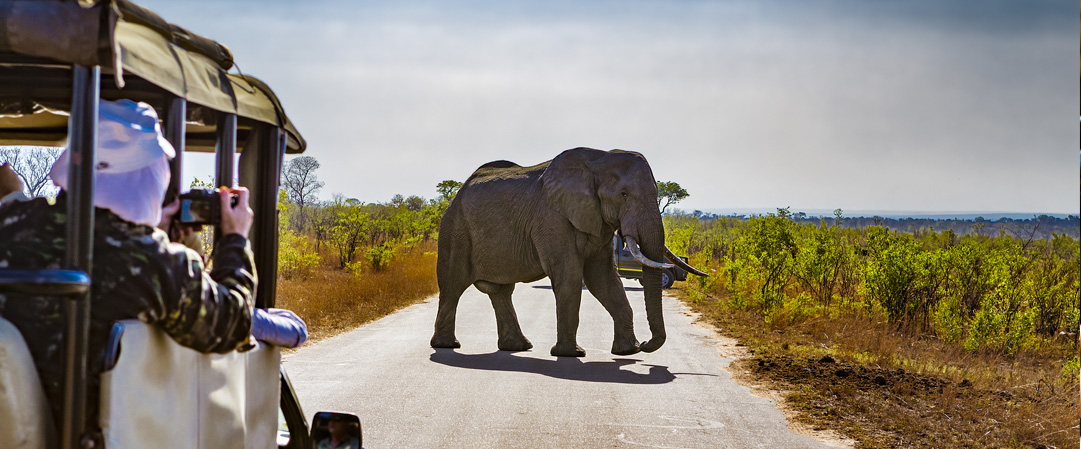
[(132, 171)]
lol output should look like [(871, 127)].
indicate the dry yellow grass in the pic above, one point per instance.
[(331, 300), (931, 394)]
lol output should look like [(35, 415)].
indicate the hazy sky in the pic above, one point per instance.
[(919, 105)]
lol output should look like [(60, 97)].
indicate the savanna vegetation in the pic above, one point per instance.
[(345, 262), (896, 333), (913, 339)]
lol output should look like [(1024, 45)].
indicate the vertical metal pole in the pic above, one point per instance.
[(265, 240), (176, 113), (83, 138), (226, 149)]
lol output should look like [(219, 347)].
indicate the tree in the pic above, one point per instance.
[(32, 165), (447, 189), (352, 226), (669, 193), (301, 186), (397, 200), (415, 203)]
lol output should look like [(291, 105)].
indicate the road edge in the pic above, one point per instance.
[(729, 348)]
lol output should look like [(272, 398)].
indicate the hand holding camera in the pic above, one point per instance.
[(225, 207), (236, 215)]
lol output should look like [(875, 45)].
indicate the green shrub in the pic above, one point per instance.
[(891, 271), (792, 310), (1052, 284), (947, 320), (379, 256), (1072, 368), (995, 328), (768, 248), (994, 293), (295, 258), (821, 262)]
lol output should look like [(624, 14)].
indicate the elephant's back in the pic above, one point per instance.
[(503, 172)]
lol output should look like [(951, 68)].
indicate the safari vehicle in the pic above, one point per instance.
[(630, 268), (58, 59)]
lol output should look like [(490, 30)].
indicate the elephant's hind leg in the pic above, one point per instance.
[(444, 319), (510, 332), (453, 276)]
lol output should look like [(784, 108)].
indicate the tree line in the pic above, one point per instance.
[(361, 236), (1039, 226)]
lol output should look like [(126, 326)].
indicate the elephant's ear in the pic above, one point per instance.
[(570, 188)]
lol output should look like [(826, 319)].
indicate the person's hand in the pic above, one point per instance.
[(9, 181), (167, 213), (235, 219), (177, 231)]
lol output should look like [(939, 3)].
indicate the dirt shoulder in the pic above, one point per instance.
[(835, 384)]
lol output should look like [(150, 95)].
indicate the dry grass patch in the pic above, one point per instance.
[(885, 387)]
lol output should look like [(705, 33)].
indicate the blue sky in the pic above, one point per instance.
[(919, 105)]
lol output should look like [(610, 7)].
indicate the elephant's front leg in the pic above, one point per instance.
[(568, 292), (603, 283), (506, 320)]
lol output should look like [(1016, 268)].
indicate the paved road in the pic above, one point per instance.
[(409, 395)]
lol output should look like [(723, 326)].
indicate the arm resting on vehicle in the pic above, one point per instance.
[(279, 327)]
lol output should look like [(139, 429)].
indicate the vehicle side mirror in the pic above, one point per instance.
[(338, 430)]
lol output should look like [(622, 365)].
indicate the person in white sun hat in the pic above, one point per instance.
[(138, 273)]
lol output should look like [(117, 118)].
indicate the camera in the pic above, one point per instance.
[(201, 207)]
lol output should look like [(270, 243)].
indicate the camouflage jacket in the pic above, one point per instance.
[(137, 274)]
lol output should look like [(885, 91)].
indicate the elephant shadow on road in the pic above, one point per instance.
[(629, 289), (561, 368)]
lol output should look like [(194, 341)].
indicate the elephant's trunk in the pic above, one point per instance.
[(652, 249)]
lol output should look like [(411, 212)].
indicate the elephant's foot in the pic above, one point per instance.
[(625, 347), (515, 344), (445, 342), (568, 350)]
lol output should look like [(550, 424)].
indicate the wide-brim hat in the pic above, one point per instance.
[(132, 170), (129, 137)]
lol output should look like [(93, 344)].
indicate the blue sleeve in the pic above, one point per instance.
[(279, 327)]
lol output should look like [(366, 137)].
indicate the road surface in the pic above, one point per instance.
[(409, 395)]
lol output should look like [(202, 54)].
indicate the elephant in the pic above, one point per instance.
[(510, 224)]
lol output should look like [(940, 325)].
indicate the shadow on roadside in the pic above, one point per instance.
[(569, 368)]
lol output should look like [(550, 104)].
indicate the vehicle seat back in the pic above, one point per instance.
[(164, 395), (25, 420)]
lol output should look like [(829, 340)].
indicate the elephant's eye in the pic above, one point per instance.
[(623, 194)]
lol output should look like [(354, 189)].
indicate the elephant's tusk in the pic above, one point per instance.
[(680, 263), (632, 246)]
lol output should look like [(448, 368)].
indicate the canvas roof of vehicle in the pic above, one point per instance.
[(142, 57)]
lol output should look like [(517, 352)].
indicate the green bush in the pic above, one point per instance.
[(994, 293), (768, 249), (379, 256), (821, 262), (295, 258), (948, 321), (1052, 286)]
